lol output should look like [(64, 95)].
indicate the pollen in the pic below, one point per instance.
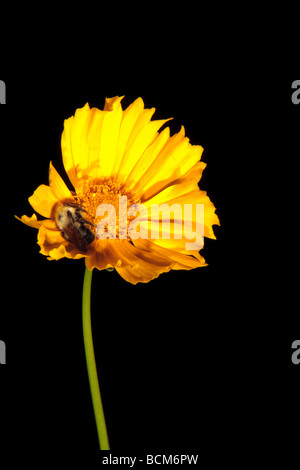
[(91, 195)]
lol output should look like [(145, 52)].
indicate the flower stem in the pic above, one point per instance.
[(90, 361)]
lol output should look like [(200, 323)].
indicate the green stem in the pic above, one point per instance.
[(90, 360)]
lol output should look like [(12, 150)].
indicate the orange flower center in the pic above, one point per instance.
[(91, 196)]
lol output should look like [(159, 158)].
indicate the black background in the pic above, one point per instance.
[(196, 361)]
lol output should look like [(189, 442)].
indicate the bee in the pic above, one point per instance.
[(72, 225)]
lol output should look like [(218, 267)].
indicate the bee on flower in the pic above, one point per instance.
[(114, 155)]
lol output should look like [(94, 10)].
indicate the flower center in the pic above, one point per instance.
[(92, 196)]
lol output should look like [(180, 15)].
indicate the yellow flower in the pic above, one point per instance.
[(113, 153)]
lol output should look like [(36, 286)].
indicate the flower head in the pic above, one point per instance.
[(124, 174)]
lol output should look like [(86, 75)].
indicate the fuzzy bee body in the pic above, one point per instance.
[(72, 225)]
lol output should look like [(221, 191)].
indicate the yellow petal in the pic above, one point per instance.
[(43, 200), (195, 172), (173, 192), (144, 266), (137, 132), (55, 253), (48, 238), (30, 221), (146, 160), (62, 252), (124, 256), (33, 222), (176, 159), (185, 193), (176, 260), (73, 143), (129, 119), (89, 141), (112, 103), (103, 139), (141, 273), (105, 255), (54, 246), (154, 260), (58, 186)]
